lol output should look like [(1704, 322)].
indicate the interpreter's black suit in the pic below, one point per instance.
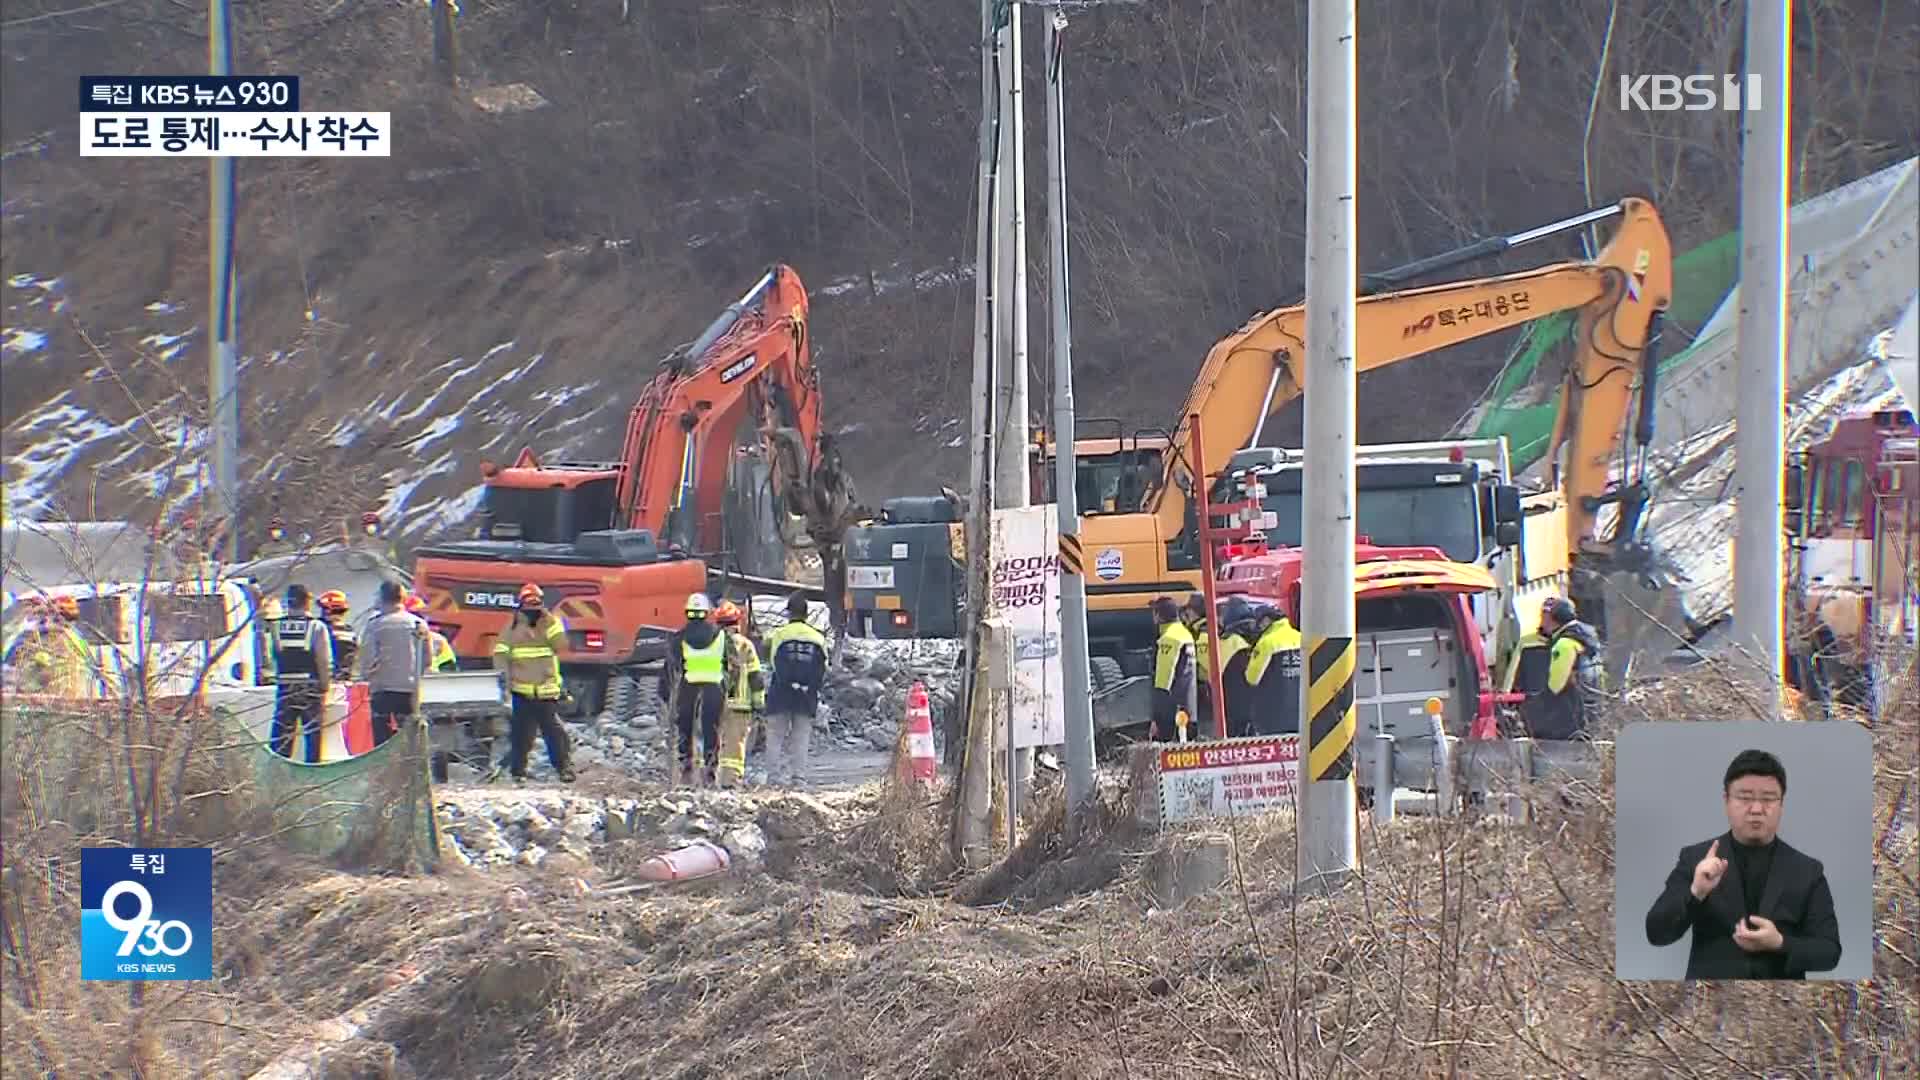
[(1795, 897)]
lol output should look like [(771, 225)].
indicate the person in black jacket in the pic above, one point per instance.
[(1758, 908)]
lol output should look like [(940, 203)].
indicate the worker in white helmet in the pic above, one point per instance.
[(691, 683)]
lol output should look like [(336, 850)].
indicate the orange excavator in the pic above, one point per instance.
[(725, 478)]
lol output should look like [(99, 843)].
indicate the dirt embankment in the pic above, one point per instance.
[(846, 948)]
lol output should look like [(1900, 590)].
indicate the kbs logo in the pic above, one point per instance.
[(480, 598), (1691, 93), (146, 914)]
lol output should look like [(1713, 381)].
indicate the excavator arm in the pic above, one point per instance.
[(1620, 295), (752, 365)]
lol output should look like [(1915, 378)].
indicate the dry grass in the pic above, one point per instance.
[(1462, 947)]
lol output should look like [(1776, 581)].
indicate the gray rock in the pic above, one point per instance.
[(745, 843)]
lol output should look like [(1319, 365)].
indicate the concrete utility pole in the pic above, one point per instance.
[(1010, 418), (973, 803), (223, 390), (1759, 542), (1011, 483), (1076, 678), (1327, 844)]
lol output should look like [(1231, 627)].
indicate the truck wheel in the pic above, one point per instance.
[(1106, 671), (630, 695)]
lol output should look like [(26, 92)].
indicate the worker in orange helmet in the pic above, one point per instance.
[(56, 659), (439, 650), (746, 689), (346, 644), (528, 654)]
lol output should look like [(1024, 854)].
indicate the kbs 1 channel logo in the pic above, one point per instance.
[(219, 116), (146, 914)]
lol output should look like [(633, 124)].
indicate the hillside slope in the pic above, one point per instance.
[(508, 279)]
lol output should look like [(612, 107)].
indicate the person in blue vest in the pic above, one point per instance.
[(797, 654)]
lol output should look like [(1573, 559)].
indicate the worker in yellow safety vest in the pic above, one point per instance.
[(692, 683), (439, 650), (54, 659), (1273, 671), (1173, 682), (527, 654), (746, 695)]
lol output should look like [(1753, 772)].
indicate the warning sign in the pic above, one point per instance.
[(1232, 777)]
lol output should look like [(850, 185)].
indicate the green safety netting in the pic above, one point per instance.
[(96, 767), (1701, 280)]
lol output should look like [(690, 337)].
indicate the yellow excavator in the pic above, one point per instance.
[(1558, 546)]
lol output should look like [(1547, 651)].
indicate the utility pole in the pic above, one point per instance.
[(1011, 484), (1076, 678), (974, 798), (223, 413), (1326, 830), (1760, 459)]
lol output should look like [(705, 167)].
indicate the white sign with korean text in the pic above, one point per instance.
[(1026, 594), (1228, 778), (236, 134)]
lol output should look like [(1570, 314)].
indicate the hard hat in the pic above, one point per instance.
[(415, 603), (270, 608), (727, 614), (67, 606), (530, 595), (333, 600), (698, 606)]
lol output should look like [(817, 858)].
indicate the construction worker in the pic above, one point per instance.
[(1173, 683), (1236, 649), (1273, 673), (691, 683), (269, 613), (746, 695), (527, 654), (439, 650), (346, 645), (302, 672), (798, 655), (1572, 696), (56, 659), (1195, 616)]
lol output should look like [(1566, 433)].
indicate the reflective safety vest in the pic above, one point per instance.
[(530, 656), (1172, 651), (1276, 687), (295, 661), (743, 662), (439, 651), (346, 647), (1203, 648), (705, 666)]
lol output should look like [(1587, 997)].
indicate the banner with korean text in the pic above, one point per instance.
[(1026, 594)]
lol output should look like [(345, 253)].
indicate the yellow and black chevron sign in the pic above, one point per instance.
[(1073, 559), (1330, 723)]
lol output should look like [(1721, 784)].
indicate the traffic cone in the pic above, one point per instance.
[(920, 734)]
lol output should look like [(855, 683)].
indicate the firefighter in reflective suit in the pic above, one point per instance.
[(527, 653)]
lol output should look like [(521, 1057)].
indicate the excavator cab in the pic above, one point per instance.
[(550, 504), (1110, 474)]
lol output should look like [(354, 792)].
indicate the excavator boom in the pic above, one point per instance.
[(1251, 373)]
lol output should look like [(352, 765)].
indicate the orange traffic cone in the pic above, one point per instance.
[(920, 734)]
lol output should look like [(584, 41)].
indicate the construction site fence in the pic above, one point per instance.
[(198, 772)]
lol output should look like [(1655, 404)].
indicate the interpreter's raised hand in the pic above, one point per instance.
[(1708, 871)]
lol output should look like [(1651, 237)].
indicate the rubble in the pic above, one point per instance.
[(488, 828)]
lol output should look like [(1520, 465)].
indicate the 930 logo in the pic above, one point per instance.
[(146, 913)]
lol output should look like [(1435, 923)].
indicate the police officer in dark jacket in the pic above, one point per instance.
[(1572, 697), (303, 673)]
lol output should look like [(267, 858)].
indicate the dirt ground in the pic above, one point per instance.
[(1465, 947)]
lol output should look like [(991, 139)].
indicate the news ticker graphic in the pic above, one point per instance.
[(189, 93), (236, 134), (146, 914)]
